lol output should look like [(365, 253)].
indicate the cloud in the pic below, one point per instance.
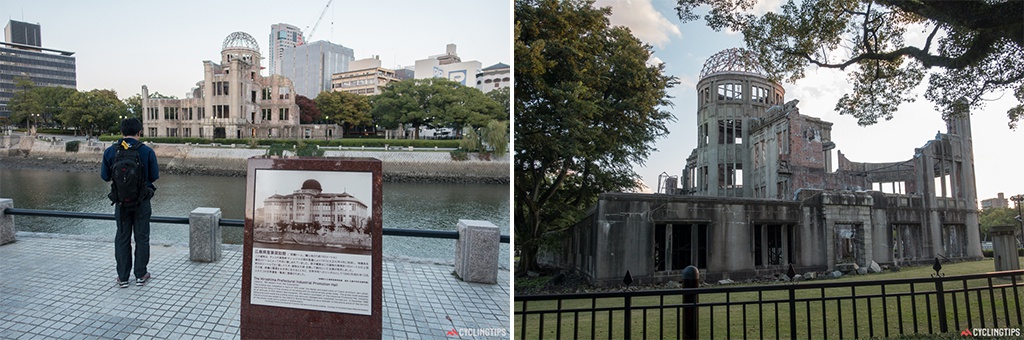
[(643, 20), (764, 6), (760, 8), (654, 61)]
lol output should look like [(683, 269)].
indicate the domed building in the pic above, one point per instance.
[(760, 194), (309, 204), (234, 100)]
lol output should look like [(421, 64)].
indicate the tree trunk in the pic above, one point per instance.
[(527, 259)]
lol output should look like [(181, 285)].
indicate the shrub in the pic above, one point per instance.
[(53, 131), (459, 155), (71, 146), (277, 149), (307, 150), (988, 253)]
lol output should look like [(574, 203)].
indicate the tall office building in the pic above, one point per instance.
[(17, 32), (22, 55), (282, 37), (311, 65)]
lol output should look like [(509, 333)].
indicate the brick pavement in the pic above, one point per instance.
[(59, 286)]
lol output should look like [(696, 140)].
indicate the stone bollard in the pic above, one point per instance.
[(6, 222), (476, 251), (204, 236)]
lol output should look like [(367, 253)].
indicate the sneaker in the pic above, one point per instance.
[(141, 281), (122, 284)]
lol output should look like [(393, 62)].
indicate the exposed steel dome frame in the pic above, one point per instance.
[(241, 40), (732, 60)]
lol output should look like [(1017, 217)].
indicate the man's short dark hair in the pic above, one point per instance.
[(131, 127)]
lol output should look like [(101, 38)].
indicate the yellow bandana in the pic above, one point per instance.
[(124, 144)]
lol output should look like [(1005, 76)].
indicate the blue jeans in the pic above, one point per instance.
[(132, 221)]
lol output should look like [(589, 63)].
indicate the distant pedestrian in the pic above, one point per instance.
[(131, 167)]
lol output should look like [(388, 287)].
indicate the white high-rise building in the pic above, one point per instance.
[(282, 37), (311, 65), (448, 66)]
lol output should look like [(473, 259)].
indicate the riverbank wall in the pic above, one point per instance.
[(405, 165)]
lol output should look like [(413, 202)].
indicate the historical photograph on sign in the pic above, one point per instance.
[(313, 210), (312, 240)]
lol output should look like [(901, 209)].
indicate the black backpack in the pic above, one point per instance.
[(128, 179)]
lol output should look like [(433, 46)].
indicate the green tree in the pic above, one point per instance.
[(586, 107), (134, 106), (344, 108), (52, 99), (470, 140), (973, 48), (434, 103), (93, 111), (990, 217), (465, 105), (495, 135), (36, 103), (25, 105), (412, 102), (501, 96)]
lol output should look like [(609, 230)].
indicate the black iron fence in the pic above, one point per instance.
[(989, 303), (445, 234)]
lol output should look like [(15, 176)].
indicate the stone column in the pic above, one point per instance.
[(476, 251), (6, 222), (1004, 247), (204, 241)]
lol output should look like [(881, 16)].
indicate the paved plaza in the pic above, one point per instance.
[(59, 286)]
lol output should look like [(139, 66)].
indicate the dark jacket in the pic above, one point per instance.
[(146, 156)]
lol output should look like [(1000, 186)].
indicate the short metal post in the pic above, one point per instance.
[(691, 279)]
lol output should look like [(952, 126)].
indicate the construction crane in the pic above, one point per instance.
[(310, 36)]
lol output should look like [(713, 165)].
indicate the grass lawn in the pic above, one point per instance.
[(839, 315)]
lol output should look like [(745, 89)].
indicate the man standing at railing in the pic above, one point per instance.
[(131, 167)]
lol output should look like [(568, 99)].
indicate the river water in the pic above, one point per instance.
[(406, 205)]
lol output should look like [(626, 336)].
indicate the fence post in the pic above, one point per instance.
[(628, 330), (792, 303), (6, 222), (204, 239), (940, 298), (691, 279)]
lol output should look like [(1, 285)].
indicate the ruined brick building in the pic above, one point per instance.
[(760, 193)]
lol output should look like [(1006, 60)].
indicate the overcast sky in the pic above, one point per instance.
[(122, 45), (684, 48)]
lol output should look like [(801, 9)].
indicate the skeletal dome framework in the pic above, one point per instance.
[(240, 40), (732, 60)]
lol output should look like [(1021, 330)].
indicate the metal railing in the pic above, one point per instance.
[(443, 234), (876, 308)]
